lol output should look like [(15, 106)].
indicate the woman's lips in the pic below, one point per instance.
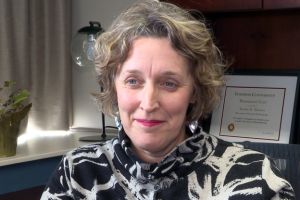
[(149, 123)]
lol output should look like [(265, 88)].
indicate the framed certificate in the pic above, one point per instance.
[(257, 107)]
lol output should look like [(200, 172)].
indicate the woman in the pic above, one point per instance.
[(161, 72)]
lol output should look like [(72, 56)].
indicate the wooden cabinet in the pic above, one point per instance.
[(281, 4), (259, 40), (217, 5), (235, 5), (266, 38)]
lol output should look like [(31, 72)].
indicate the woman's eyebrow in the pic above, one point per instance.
[(131, 71), (171, 74), (161, 74)]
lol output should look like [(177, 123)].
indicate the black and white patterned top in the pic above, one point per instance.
[(202, 167)]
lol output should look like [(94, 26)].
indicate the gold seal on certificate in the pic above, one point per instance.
[(231, 127)]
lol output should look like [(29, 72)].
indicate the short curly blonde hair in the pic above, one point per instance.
[(188, 35)]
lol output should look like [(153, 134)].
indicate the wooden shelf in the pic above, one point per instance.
[(235, 5)]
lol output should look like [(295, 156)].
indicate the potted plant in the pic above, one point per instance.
[(13, 109)]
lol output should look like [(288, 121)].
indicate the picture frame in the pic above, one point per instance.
[(257, 106)]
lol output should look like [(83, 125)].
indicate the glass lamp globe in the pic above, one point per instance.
[(83, 44)]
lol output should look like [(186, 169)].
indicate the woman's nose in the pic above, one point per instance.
[(149, 98)]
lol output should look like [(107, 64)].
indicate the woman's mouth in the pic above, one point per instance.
[(149, 123)]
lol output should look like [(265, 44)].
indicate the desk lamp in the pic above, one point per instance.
[(83, 54)]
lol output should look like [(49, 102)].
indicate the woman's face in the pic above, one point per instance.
[(154, 88)]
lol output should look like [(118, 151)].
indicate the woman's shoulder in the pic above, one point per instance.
[(231, 156), (223, 147), (238, 168)]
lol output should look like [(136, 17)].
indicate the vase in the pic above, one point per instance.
[(8, 138), (9, 131)]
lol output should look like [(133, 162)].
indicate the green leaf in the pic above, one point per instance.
[(12, 102), (20, 97)]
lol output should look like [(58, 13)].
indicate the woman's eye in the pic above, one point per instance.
[(170, 85), (132, 82)]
